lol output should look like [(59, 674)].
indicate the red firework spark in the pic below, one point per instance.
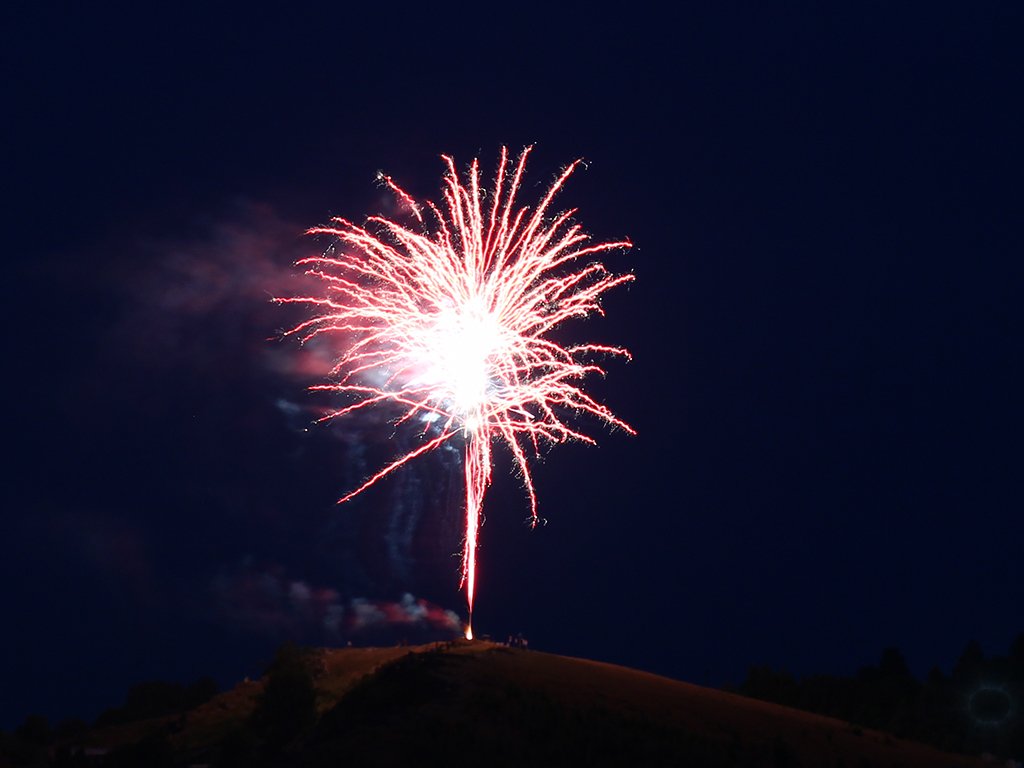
[(451, 324)]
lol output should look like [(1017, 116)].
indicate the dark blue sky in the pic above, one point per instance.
[(826, 207)]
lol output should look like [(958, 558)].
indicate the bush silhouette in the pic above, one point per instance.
[(287, 706), (157, 698)]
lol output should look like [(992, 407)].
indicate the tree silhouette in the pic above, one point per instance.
[(969, 665), (977, 708), (287, 706)]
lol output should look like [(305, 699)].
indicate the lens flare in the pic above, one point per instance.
[(450, 322)]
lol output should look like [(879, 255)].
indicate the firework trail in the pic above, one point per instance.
[(449, 322)]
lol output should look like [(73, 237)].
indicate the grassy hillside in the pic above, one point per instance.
[(467, 703)]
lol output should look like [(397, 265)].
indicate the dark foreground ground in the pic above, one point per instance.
[(479, 703)]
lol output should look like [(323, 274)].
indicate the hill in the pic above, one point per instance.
[(466, 702)]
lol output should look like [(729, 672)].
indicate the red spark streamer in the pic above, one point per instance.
[(450, 323)]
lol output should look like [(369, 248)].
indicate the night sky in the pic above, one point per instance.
[(827, 212)]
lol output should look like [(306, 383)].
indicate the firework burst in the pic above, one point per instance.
[(449, 321)]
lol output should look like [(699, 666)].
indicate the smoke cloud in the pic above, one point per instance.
[(271, 603)]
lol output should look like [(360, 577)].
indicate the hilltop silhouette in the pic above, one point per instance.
[(461, 703)]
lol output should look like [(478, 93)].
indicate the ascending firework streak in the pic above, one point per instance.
[(450, 323)]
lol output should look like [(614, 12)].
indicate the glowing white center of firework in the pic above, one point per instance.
[(455, 352)]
